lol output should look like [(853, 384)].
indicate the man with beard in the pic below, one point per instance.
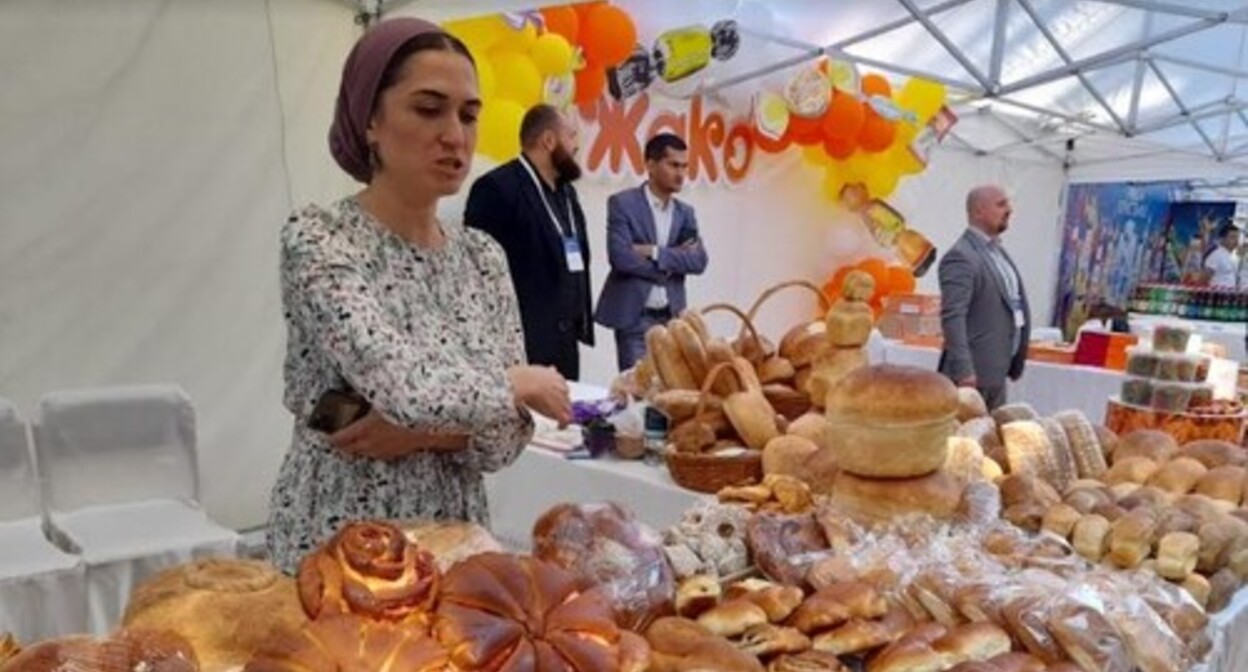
[(530, 207), (984, 314), (653, 243)]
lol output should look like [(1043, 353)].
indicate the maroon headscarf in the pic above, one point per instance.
[(361, 75)]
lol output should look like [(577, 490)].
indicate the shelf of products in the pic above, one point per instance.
[(1216, 304)]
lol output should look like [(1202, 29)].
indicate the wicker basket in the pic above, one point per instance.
[(824, 303), (710, 473)]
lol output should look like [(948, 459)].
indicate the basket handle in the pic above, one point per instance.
[(824, 303), (746, 321), (709, 381)]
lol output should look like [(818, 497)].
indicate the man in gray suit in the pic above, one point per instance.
[(983, 306), (652, 244)]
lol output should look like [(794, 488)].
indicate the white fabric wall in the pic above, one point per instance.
[(141, 190), (153, 148)]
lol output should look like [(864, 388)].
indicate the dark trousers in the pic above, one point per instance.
[(630, 343), (994, 396)]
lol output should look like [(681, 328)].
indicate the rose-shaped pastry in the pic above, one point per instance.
[(370, 569), (506, 613), (350, 643), (605, 545), (226, 608), (125, 651)]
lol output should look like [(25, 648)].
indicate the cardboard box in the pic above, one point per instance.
[(1103, 348), (1054, 353)]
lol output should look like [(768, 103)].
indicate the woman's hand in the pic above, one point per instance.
[(542, 390), (376, 437)]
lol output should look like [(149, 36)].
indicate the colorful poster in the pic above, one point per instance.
[(1114, 236), (1193, 234)]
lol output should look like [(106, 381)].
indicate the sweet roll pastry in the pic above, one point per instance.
[(778, 602), (697, 594), (225, 608), (371, 569), (807, 661), (769, 640), (680, 645), (509, 613), (124, 651), (856, 636), (605, 545), (892, 421), (973, 642), (732, 618), (1017, 661), (351, 642)]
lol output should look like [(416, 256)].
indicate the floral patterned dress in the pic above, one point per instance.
[(426, 336)]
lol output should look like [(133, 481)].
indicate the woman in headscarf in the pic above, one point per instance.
[(385, 302)]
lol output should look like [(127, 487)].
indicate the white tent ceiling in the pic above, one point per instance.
[(1080, 82)]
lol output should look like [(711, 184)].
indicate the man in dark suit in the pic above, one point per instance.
[(530, 207), (652, 244), (984, 313)]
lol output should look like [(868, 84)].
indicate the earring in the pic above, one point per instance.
[(374, 159)]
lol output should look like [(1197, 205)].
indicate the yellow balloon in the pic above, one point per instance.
[(517, 79), (479, 33), (922, 97), (487, 84), (816, 155), (903, 161), (552, 54), (517, 40), (881, 181), (498, 129), (833, 182)]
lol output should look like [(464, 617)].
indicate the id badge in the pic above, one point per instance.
[(572, 255), (1020, 318)]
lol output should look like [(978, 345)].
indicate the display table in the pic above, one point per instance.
[(1048, 387), (1229, 335)]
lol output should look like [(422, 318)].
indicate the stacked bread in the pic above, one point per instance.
[(1179, 512), (848, 327), (889, 429), (1059, 450)]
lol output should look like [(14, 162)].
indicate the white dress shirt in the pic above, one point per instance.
[(1225, 267), (662, 213)]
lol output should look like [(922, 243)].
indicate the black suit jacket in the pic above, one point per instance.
[(505, 203)]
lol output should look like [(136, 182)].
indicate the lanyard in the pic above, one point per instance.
[(541, 193)]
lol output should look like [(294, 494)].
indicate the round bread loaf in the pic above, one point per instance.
[(892, 421), (872, 500)]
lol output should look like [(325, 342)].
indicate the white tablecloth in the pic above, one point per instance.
[(1229, 335), (1048, 387)]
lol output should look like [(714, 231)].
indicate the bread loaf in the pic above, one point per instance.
[(1177, 553), (1131, 538), (965, 460), (876, 500), (970, 404), (804, 342), (787, 454), (1153, 444), (1028, 451), (1213, 453), (830, 368), (1225, 483), (1060, 520), (1065, 471), (1088, 638), (669, 362), (984, 430), (1091, 537), (692, 348), (1133, 469), (1085, 447), (812, 426), (1178, 476), (1004, 415)]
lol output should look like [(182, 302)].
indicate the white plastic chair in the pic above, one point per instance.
[(43, 591), (120, 487)]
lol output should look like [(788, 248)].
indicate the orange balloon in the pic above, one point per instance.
[(607, 35), (876, 85), (840, 148), (900, 280), (844, 118), (877, 133), (591, 80), (770, 146), (805, 131), (562, 21), (583, 8)]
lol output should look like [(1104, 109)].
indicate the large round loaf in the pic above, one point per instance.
[(892, 421), (871, 500)]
